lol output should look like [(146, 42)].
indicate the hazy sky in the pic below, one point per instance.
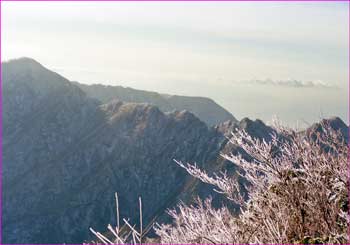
[(255, 59)]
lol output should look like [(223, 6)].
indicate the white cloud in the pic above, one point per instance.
[(290, 83)]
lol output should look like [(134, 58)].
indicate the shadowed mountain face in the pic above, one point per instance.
[(204, 108), (65, 155)]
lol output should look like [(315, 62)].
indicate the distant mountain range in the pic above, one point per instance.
[(203, 108), (68, 147)]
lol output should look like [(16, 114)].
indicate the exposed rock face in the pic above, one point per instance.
[(204, 108), (65, 154)]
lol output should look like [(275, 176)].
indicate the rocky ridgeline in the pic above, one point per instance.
[(66, 153)]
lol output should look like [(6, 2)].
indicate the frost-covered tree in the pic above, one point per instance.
[(123, 233), (297, 187), (298, 193)]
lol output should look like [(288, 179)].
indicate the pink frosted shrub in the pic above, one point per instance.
[(298, 193)]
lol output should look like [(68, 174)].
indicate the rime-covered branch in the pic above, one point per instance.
[(298, 192)]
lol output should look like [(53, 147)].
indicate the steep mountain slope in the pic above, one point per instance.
[(204, 108), (65, 156)]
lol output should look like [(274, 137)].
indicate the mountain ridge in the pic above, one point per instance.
[(204, 108), (65, 154)]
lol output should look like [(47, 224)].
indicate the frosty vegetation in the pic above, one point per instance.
[(297, 193), (126, 233)]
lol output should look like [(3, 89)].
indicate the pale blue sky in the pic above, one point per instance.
[(255, 59)]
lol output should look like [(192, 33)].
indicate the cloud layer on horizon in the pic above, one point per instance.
[(289, 83)]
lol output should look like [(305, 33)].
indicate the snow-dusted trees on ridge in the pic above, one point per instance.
[(297, 187), (298, 193)]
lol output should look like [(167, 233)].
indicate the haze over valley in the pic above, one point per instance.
[(160, 102), (257, 60)]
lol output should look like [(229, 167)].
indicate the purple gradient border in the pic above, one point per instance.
[(286, 1)]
